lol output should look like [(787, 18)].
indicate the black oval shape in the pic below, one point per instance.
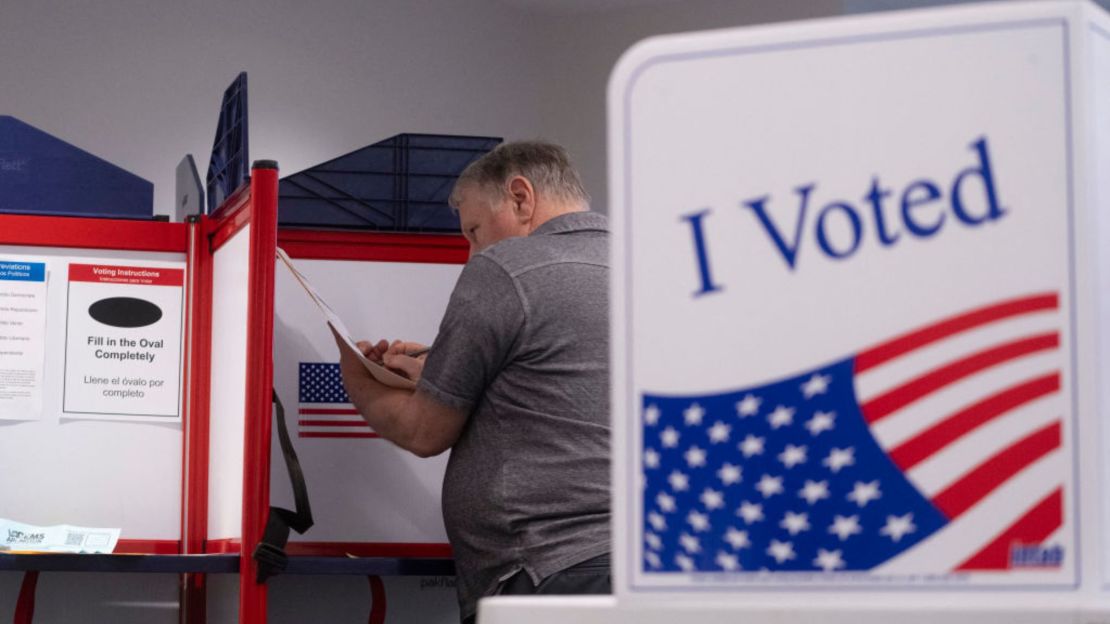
[(125, 312)]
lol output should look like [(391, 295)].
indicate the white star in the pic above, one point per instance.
[(898, 526), (665, 502), (751, 445), (839, 458), (864, 493), (748, 406), (690, 543), (845, 527), (730, 474), (817, 384), (793, 455), (814, 491), (781, 416), (737, 539), (750, 512), (821, 421), (828, 561), (684, 562), (719, 432), (658, 522), (653, 559), (679, 482), (781, 551), (693, 414), (653, 541), (795, 523), (651, 415), (697, 520), (769, 486), (728, 562), (712, 499), (651, 458), (669, 437), (695, 457)]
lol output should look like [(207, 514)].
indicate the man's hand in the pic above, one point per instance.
[(395, 357), (410, 420), (372, 351)]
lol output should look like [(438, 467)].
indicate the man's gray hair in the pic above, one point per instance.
[(546, 165)]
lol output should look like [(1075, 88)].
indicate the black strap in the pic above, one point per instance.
[(270, 552)]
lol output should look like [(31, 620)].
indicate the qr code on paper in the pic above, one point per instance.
[(74, 539)]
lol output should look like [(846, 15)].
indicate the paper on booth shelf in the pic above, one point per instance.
[(379, 372), (60, 538)]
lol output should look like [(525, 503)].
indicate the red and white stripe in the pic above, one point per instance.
[(970, 408), (331, 420)]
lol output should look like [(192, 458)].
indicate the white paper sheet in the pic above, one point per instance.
[(123, 342), (19, 537)]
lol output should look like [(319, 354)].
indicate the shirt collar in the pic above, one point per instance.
[(573, 222)]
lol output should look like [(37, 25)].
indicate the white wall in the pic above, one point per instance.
[(139, 83), (580, 51)]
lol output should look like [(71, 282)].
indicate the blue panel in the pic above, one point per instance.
[(399, 184), (42, 174), (229, 167)]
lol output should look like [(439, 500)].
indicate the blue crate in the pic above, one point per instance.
[(400, 184), (229, 165), (42, 174)]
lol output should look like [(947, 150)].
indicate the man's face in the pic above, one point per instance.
[(485, 221)]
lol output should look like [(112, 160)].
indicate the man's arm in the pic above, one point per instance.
[(411, 420)]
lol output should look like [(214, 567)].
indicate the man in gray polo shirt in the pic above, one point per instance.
[(517, 383)]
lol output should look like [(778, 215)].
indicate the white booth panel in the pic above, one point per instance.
[(230, 271), (362, 488), (100, 470)]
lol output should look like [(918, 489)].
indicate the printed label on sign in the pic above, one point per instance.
[(123, 342)]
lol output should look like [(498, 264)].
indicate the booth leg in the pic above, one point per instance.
[(377, 600), (25, 605)]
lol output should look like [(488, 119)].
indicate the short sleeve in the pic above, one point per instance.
[(480, 328)]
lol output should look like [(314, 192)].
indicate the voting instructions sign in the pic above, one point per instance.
[(843, 308), (123, 342)]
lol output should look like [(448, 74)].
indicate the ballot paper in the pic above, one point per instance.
[(379, 372), (61, 538)]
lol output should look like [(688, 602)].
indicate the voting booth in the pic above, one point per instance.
[(369, 498), (136, 393), (859, 322), (90, 364)]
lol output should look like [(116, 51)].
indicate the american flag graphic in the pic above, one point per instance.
[(936, 451), (324, 409)]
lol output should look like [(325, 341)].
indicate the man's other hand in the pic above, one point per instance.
[(397, 358)]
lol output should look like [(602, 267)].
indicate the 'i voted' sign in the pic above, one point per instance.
[(844, 306)]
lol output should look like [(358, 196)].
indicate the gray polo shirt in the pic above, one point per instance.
[(524, 350)]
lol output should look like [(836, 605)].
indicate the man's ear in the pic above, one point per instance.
[(523, 196)]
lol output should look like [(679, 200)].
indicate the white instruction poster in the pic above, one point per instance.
[(22, 344), (123, 342)]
